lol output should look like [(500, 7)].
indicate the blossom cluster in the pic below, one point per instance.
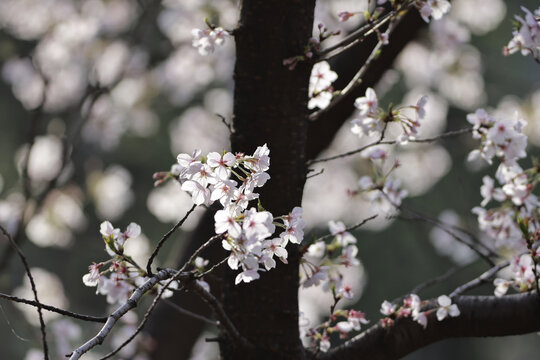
[(207, 40), (371, 120), (412, 306), (383, 191), (320, 85), (514, 224), (524, 275), (247, 232), (526, 37), (504, 139), (350, 320), (321, 265), (118, 277), (434, 9)]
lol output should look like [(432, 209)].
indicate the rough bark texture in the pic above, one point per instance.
[(172, 341), (480, 316), (270, 107)]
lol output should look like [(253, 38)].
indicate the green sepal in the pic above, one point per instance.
[(524, 227), (109, 241)]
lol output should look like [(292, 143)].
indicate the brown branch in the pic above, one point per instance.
[(353, 227), (164, 238), (392, 142), (34, 291), (354, 38), (480, 249), (482, 279), (54, 309), (356, 80), (322, 131), (480, 316), (197, 252), (189, 313)]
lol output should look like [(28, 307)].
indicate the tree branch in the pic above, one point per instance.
[(53, 309), (322, 131), (34, 291), (164, 238), (121, 311), (480, 316)]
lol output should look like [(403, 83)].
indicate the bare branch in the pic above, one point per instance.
[(357, 78), (189, 313), (213, 268), (485, 277), (438, 279), (54, 309), (354, 38), (121, 311), (224, 322), (34, 291), (480, 316), (356, 226), (480, 249), (164, 238), (226, 123), (200, 249), (392, 142)]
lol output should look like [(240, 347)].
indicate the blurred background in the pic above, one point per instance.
[(119, 82)]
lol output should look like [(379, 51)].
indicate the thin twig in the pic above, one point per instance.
[(121, 311), (145, 319), (485, 277), (164, 238), (392, 142), (481, 250), (328, 236), (34, 291), (314, 174), (355, 37), (54, 309), (52, 184), (438, 279), (213, 268), (188, 282), (200, 249), (181, 310), (357, 78), (224, 321), (226, 123)]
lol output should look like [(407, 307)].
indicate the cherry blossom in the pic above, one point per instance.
[(527, 36), (206, 40), (320, 85), (446, 308), (434, 9), (488, 191), (92, 278), (387, 308), (342, 236), (524, 272), (225, 222), (368, 104), (221, 164), (371, 120)]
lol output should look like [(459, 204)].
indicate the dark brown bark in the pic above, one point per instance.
[(480, 316), (270, 107)]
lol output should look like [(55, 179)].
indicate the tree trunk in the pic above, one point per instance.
[(270, 106)]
